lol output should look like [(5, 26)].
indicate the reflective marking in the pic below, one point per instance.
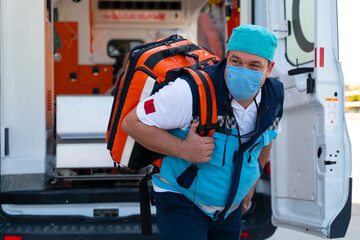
[(321, 64), (129, 146)]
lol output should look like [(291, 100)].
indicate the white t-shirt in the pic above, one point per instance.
[(171, 108)]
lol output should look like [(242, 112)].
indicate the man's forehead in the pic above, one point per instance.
[(248, 57)]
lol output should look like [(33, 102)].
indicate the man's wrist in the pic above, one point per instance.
[(181, 150)]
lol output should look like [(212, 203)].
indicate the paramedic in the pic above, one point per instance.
[(204, 180)]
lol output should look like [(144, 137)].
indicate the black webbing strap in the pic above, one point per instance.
[(155, 58), (145, 211)]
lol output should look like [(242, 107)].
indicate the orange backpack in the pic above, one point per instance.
[(150, 67)]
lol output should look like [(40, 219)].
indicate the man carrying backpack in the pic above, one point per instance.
[(205, 182)]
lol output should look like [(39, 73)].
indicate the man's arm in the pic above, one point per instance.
[(194, 148), (263, 157)]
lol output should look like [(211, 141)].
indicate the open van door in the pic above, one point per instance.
[(311, 158)]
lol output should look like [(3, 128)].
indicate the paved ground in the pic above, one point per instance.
[(353, 233)]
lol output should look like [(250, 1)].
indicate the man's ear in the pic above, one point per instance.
[(270, 69)]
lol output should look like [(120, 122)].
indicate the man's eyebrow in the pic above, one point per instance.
[(251, 62), (257, 62), (236, 57)]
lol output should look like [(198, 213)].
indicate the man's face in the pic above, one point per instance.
[(249, 61)]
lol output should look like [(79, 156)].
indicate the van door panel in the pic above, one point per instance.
[(311, 158)]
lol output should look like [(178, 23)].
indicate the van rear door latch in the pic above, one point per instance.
[(310, 84)]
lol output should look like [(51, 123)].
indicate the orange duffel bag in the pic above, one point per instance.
[(150, 67)]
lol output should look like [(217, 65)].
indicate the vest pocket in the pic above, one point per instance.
[(218, 158)]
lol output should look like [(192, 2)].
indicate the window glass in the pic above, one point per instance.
[(300, 42), (119, 47)]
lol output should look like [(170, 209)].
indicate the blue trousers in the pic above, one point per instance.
[(179, 218)]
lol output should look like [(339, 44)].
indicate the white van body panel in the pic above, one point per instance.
[(85, 210), (311, 162), (22, 104)]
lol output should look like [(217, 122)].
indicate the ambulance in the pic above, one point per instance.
[(59, 61)]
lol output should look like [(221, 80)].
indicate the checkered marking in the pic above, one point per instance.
[(274, 125), (226, 122)]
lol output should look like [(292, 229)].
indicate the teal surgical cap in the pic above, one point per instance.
[(253, 39)]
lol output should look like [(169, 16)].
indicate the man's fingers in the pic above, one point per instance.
[(205, 147), (208, 140), (244, 209), (204, 159), (193, 127), (209, 153), (200, 147)]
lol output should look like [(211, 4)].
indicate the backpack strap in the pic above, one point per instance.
[(202, 86), (206, 104)]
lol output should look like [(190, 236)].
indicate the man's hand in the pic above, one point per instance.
[(195, 148), (247, 199)]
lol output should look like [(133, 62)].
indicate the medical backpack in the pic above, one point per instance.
[(149, 68)]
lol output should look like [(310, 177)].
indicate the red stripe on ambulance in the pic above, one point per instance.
[(321, 64)]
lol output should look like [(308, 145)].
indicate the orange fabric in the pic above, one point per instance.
[(213, 99), (158, 163), (132, 99), (114, 107), (202, 96), (138, 81)]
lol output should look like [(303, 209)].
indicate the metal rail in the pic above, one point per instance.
[(131, 177), (352, 93)]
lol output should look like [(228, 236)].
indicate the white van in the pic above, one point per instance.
[(59, 61)]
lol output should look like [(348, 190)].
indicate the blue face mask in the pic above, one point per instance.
[(242, 83)]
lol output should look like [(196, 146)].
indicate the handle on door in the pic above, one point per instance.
[(6, 141)]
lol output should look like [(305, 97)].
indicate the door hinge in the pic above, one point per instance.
[(282, 29)]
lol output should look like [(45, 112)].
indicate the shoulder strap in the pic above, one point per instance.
[(207, 101)]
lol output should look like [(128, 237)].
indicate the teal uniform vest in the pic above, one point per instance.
[(219, 186)]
